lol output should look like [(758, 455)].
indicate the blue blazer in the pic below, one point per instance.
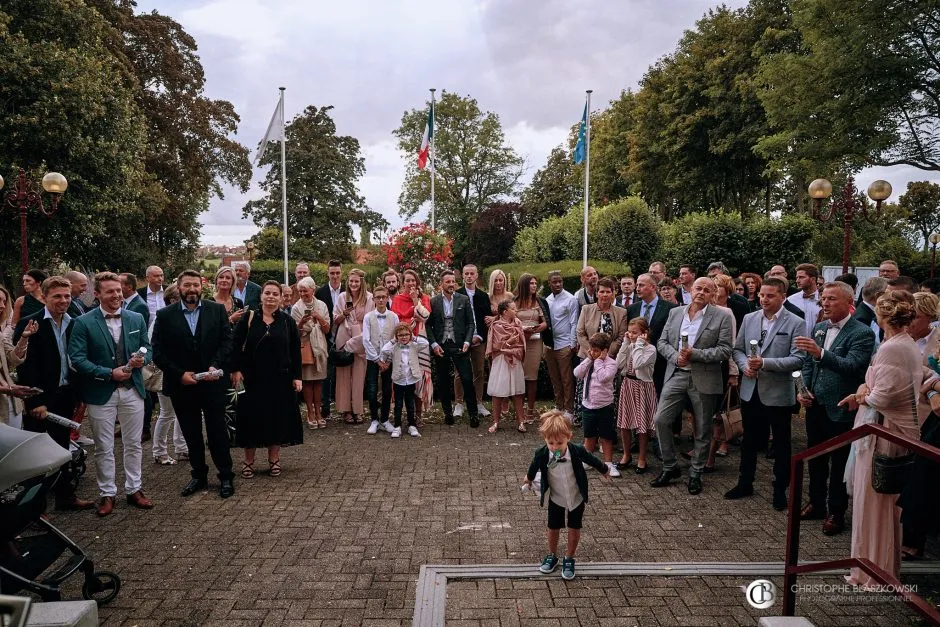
[(91, 353)]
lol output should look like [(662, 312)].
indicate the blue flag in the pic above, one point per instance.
[(580, 146)]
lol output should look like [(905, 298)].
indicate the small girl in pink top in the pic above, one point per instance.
[(598, 370)]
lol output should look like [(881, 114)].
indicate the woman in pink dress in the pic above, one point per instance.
[(350, 380), (891, 387)]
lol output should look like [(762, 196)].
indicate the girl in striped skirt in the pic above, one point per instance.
[(637, 406)]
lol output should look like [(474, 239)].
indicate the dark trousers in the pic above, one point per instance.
[(461, 362), (826, 472), (758, 419), (405, 394), (62, 403), (150, 401), (373, 377), (326, 395), (192, 404)]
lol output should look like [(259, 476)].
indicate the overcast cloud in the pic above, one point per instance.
[(529, 61)]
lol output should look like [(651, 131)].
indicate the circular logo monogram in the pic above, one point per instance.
[(761, 594)]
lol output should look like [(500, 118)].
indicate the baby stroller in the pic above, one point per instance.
[(29, 544)]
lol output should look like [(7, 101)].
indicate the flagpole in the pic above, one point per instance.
[(587, 171), (433, 171), (284, 181)]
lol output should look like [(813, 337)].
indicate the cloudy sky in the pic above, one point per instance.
[(529, 61)]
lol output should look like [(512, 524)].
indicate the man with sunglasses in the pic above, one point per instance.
[(766, 353)]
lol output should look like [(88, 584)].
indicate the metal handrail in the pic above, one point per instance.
[(792, 567)]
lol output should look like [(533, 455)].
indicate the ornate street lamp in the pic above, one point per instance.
[(26, 195), (934, 239), (821, 189), (250, 247)]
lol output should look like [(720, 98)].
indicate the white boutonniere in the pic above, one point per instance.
[(819, 333)]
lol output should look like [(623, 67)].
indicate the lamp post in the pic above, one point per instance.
[(25, 194), (250, 247), (821, 189), (934, 239)]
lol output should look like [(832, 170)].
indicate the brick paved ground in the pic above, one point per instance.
[(338, 540)]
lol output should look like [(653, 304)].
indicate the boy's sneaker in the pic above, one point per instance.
[(413, 432), (613, 469), (569, 417), (388, 426), (396, 432), (458, 410), (373, 428), (548, 564), (567, 568), (483, 411)]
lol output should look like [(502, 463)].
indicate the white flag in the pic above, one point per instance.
[(275, 129)]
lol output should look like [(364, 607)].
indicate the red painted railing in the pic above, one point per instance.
[(792, 565)]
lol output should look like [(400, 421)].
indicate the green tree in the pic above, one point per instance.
[(323, 200), (922, 204), (863, 88), (475, 166), (698, 117), (370, 222), (69, 105), (190, 151), (625, 231), (610, 150), (553, 191)]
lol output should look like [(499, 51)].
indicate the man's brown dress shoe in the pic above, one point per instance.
[(833, 525), (811, 513), (73, 505), (105, 506), (138, 500)]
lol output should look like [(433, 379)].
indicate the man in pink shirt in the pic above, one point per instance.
[(597, 405)]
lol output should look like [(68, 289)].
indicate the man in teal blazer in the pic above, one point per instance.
[(103, 350), (837, 357)]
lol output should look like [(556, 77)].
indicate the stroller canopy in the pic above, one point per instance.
[(24, 455)]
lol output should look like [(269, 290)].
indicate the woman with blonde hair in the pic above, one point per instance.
[(313, 322), (891, 388), (499, 291), (350, 380), (6, 312), (224, 294)]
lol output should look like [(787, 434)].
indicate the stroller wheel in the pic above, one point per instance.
[(101, 587)]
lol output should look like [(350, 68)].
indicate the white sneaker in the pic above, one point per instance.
[(396, 432), (373, 428), (483, 411), (388, 426), (613, 470), (413, 432), (458, 410), (569, 416), (84, 440)]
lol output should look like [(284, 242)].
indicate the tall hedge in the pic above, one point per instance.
[(625, 232)]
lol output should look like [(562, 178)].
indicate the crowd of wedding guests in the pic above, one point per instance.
[(630, 360)]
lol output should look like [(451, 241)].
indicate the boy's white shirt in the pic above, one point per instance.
[(371, 348)]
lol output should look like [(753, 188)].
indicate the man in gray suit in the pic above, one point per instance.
[(766, 353), (697, 338)]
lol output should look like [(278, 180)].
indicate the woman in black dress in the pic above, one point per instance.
[(31, 301), (267, 360)]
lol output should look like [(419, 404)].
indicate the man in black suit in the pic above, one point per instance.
[(656, 311), (865, 310), (196, 337), (79, 284), (330, 294), (46, 367), (450, 333), (132, 300), (247, 291), (480, 302)]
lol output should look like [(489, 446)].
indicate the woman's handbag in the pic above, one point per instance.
[(889, 474), (731, 420), (153, 377), (341, 358), (307, 357)]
